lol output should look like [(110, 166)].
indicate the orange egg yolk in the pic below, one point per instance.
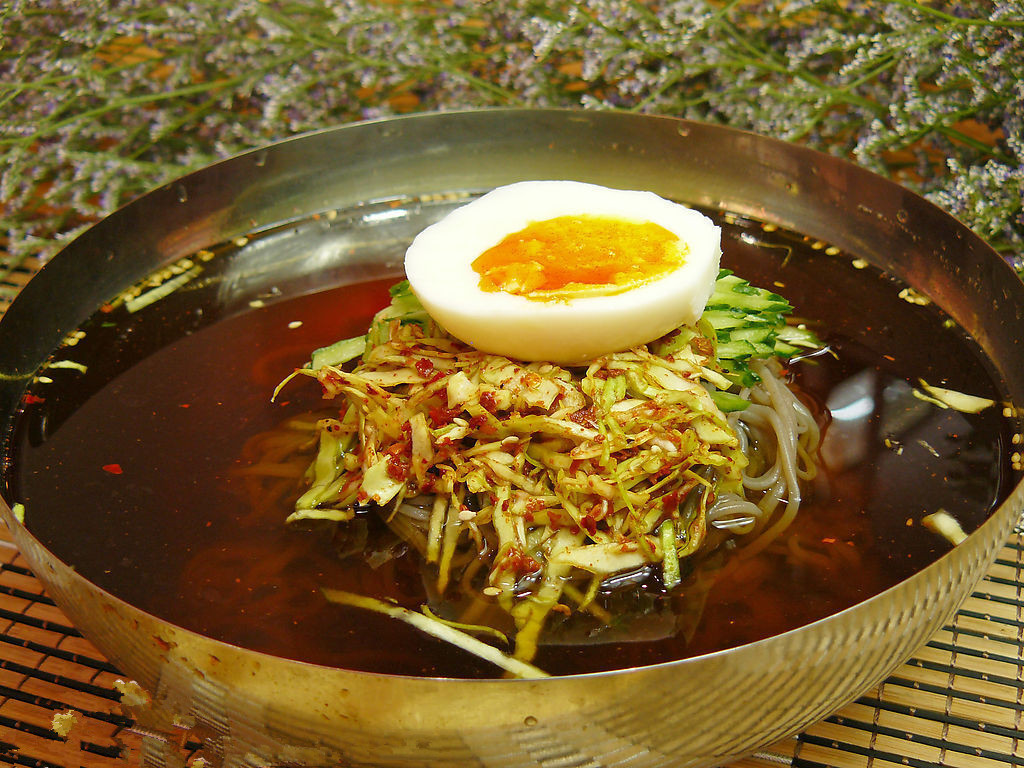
[(567, 255)]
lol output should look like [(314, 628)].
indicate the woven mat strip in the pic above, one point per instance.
[(46, 667)]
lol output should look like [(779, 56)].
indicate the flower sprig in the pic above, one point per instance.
[(104, 100)]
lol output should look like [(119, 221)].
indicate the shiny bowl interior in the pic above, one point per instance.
[(254, 709)]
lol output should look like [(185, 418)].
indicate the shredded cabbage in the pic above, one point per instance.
[(585, 472)]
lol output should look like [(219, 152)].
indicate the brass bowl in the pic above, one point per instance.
[(255, 709)]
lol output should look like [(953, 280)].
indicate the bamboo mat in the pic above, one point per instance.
[(957, 702)]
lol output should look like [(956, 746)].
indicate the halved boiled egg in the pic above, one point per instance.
[(564, 271)]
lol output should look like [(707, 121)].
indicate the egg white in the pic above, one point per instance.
[(439, 261)]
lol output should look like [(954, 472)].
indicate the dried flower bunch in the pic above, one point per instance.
[(105, 99)]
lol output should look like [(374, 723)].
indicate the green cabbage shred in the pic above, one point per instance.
[(580, 474)]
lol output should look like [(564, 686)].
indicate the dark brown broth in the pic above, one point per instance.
[(130, 473)]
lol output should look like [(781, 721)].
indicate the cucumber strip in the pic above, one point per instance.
[(732, 291), (735, 350), (338, 353), (728, 402), (799, 336)]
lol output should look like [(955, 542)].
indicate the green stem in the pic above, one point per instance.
[(956, 20), (446, 66), (962, 138), (140, 100), (190, 116)]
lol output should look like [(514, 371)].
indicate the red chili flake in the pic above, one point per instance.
[(31, 399), (534, 504), (477, 422), (399, 449), (114, 469), (330, 380), (519, 562), (703, 346), (444, 449), (589, 524), (184, 405), (489, 402), (398, 468), (424, 367), (828, 540), (441, 415)]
